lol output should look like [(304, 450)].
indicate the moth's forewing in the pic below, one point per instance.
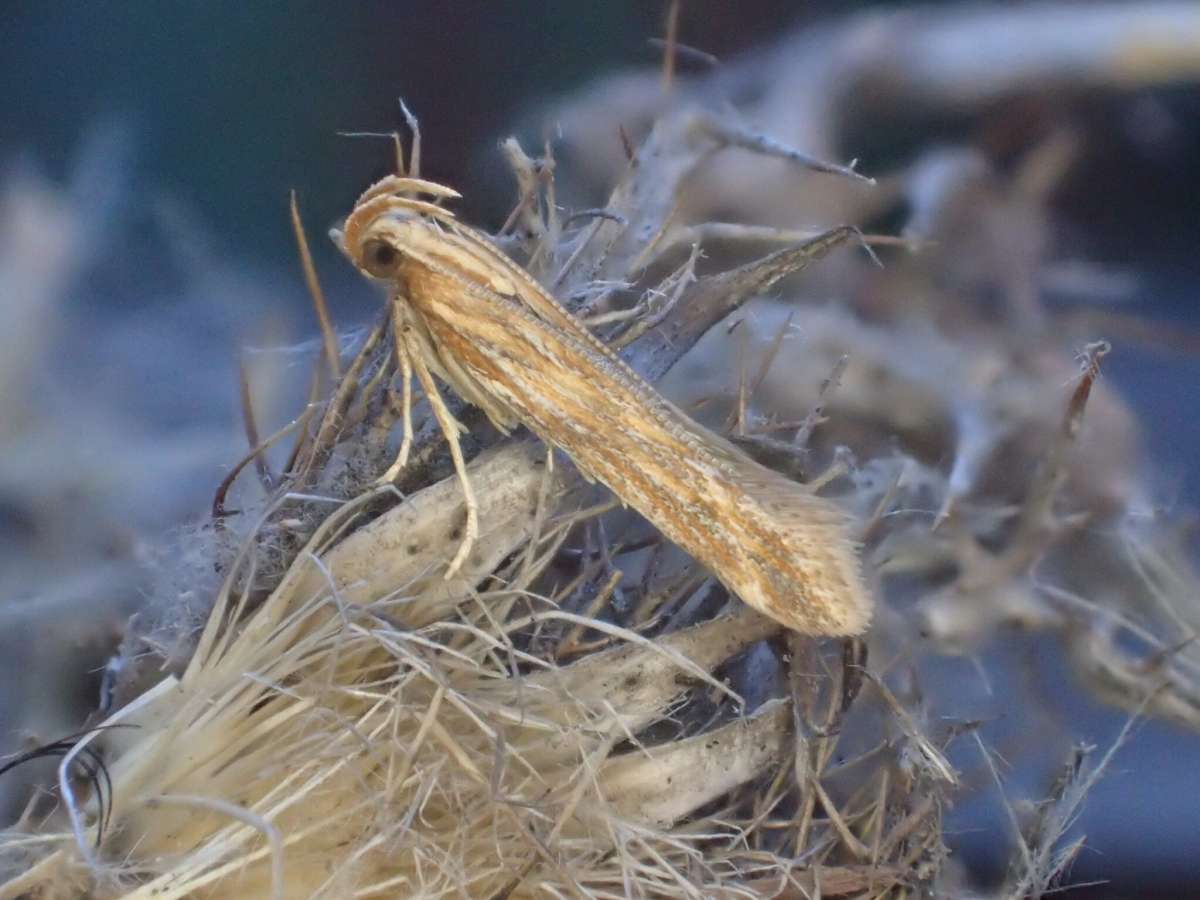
[(775, 544)]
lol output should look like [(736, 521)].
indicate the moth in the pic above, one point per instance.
[(464, 312)]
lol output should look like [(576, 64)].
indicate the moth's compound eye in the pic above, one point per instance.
[(380, 258)]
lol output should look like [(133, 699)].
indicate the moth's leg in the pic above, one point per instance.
[(406, 438), (451, 428), (404, 361)]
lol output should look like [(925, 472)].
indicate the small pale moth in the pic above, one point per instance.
[(464, 312)]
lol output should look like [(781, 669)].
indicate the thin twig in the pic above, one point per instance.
[(328, 333)]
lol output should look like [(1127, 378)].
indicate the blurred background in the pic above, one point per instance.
[(147, 152)]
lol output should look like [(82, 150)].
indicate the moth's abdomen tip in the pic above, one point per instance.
[(844, 614), (815, 585), (837, 595), (852, 603), (808, 575), (853, 614)]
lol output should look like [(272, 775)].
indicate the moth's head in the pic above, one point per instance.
[(386, 219)]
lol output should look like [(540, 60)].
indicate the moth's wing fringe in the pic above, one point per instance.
[(831, 592)]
